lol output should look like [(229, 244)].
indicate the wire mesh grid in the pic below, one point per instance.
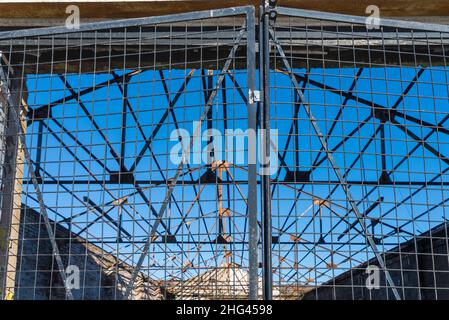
[(362, 169), (104, 110), (363, 138)]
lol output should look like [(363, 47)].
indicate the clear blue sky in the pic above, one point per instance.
[(427, 100)]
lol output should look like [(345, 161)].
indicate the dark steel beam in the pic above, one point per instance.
[(156, 183), (192, 180), (161, 121), (103, 214), (77, 141), (336, 169), (94, 123), (47, 107), (422, 142), (385, 180), (174, 180)]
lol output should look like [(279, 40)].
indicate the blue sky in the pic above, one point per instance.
[(427, 100)]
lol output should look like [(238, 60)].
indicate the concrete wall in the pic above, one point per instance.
[(419, 268), (102, 276)]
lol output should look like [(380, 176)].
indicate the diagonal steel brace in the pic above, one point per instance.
[(336, 169)]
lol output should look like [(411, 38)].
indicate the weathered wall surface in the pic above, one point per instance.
[(12, 162), (135, 8), (51, 12), (419, 268), (102, 276)]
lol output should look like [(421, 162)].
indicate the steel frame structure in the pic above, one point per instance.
[(389, 34), (213, 84), (350, 194)]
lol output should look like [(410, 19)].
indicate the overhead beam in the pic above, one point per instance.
[(162, 183)]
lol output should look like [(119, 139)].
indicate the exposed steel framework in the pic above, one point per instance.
[(90, 118)]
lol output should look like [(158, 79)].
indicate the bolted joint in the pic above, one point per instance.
[(272, 3), (270, 9), (272, 14), (384, 114)]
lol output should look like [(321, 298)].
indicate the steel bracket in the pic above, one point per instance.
[(254, 96)]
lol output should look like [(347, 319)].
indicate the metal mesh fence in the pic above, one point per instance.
[(98, 203), (104, 108), (362, 185)]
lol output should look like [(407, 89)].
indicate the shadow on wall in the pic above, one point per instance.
[(419, 268), (102, 275)]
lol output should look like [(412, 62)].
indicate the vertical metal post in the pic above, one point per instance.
[(264, 54), (252, 170)]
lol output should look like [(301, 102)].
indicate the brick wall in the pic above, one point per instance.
[(419, 268), (101, 276)]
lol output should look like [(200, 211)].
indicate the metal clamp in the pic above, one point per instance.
[(270, 9), (254, 96)]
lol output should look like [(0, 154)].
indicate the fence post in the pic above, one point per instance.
[(264, 65), (252, 167)]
